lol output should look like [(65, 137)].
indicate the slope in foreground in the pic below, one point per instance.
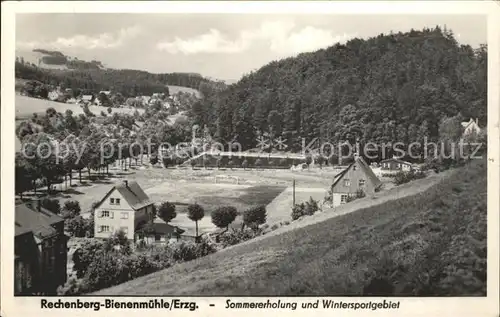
[(429, 244)]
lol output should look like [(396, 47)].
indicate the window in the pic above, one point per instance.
[(354, 167), (361, 183), (347, 182), (124, 215), (117, 201), (104, 213), (104, 228), (112, 201), (343, 199), (157, 237)]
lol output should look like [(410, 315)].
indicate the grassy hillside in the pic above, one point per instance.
[(55, 68), (431, 243)]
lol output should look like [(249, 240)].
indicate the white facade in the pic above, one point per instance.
[(114, 214), (471, 127)]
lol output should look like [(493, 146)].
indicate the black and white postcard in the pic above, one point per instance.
[(222, 158)]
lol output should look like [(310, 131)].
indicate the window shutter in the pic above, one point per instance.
[(100, 229), (112, 229), (99, 214), (111, 214)]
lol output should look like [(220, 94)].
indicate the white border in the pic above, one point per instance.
[(409, 306)]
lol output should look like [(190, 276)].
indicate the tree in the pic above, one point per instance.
[(196, 213), (110, 110), (153, 160), (193, 163), (52, 205), (255, 216), (166, 211), (71, 209), (244, 164), (85, 255), (308, 160), (222, 217), (258, 162), (230, 164), (118, 240)]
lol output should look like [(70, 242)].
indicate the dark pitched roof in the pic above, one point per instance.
[(362, 166), (132, 193), (40, 223)]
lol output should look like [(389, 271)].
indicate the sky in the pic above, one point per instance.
[(221, 46)]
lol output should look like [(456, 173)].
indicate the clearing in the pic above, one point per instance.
[(26, 106), (425, 238)]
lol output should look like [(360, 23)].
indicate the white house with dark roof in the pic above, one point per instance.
[(357, 176), (123, 207), (471, 126)]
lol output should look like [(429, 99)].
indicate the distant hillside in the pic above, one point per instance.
[(55, 68), (429, 244), (393, 87)]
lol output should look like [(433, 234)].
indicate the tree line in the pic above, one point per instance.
[(129, 83), (393, 87)]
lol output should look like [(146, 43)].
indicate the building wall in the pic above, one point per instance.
[(41, 267), (472, 128), (354, 175), (120, 216), (395, 166)]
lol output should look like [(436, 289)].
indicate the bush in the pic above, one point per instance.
[(184, 251), (405, 177), (52, 205), (84, 255), (222, 217), (255, 216), (233, 237), (244, 164), (80, 227), (305, 209), (153, 160)]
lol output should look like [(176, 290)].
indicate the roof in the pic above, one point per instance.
[(161, 227), (38, 222), (467, 123), (106, 92), (395, 160), (362, 166), (87, 97), (132, 193)]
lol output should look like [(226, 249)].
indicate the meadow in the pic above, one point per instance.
[(427, 239), (26, 106)]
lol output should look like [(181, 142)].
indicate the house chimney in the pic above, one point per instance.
[(125, 182)]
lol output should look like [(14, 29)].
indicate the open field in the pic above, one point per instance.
[(185, 186), (26, 106), (428, 236), (172, 89)]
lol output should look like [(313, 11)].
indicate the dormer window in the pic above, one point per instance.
[(112, 201), (117, 200), (354, 167)]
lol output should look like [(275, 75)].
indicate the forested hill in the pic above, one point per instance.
[(387, 88), (59, 69)]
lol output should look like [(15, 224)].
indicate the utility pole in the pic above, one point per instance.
[(293, 203)]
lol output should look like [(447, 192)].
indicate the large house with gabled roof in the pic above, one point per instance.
[(358, 176), (123, 207), (40, 250)]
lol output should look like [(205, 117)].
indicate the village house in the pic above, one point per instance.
[(395, 164), (157, 232), (123, 207), (358, 176), (472, 126), (53, 95), (86, 99), (40, 248)]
